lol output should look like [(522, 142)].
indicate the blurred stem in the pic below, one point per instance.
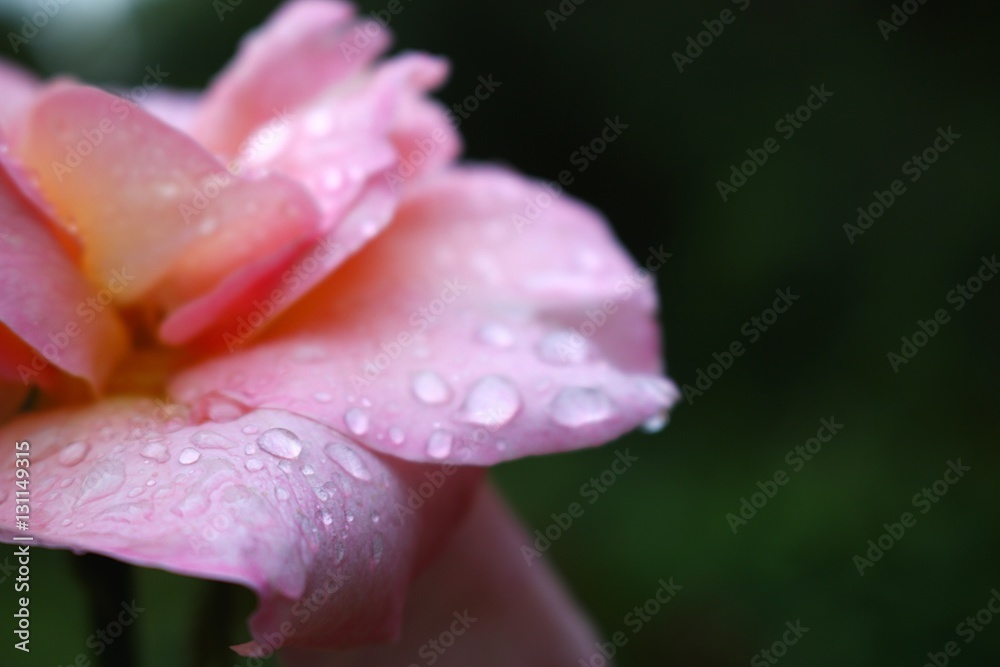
[(213, 625), (109, 586)]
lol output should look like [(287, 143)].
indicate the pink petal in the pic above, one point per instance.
[(454, 337), (19, 89), (176, 108), (46, 302), (308, 519), (493, 608), (306, 45), (147, 200)]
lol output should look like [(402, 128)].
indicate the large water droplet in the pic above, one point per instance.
[(357, 421), (430, 388), (495, 335), (656, 423), (156, 451), (563, 348), (73, 453), (220, 408), (281, 443), (493, 401), (578, 406), (188, 456), (347, 458), (211, 440), (439, 444)]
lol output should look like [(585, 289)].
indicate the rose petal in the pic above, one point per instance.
[(454, 337), (19, 89), (291, 509), (304, 47), (146, 200), (46, 302), (507, 613)]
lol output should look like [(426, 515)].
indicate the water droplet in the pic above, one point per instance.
[(307, 470), (250, 448), (281, 443), (282, 493), (347, 458), (211, 440), (656, 423), (156, 452), (326, 517), (65, 522), (375, 516), (396, 435), (104, 479), (322, 397), (73, 453), (430, 388), (493, 401), (188, 456), (249, 429), (150, 482), (563, 348), (578, 406), (495, 335), (219, 408), (439, 444), (135, 492), (357, 421), (253, 465)]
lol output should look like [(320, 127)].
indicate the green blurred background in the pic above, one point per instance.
[(825, 358)]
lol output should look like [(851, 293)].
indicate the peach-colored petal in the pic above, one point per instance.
[(46, 302), (482, 604), (147, 200), (456, 335), (321, 528), (305, 46)]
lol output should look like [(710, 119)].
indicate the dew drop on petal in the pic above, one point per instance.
[(326, 517), (105, 478), (348, 459), (73, 453), (249, 429), (322, 397), (563, 348), (396, 435), (211, 440), (492, 401), (578, 406), (281, 493), (307, 470), (155, 451), (357, 421), (430, 388), (439, 444), (281, 443), (188, 456), (656, 423), (253, 465), (495, 335)]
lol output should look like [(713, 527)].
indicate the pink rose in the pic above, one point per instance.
[(275, 335)]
